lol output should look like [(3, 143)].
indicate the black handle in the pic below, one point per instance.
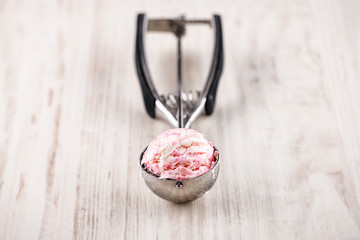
[(141, 67), (217, 66)]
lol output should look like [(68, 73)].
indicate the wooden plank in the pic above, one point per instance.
[(72, 121)]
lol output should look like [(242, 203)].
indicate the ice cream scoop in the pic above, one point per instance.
[(179, 153), (180, 165)]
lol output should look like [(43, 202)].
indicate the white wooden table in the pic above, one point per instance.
[(286, 122)]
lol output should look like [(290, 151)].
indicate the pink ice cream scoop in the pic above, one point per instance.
[(179, 153)]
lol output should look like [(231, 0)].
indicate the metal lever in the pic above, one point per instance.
[(180, 88), (176, 26)]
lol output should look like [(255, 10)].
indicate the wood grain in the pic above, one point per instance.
[(287, 121)]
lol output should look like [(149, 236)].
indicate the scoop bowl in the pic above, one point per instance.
[(181, 191)]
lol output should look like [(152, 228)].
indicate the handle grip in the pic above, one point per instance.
[(141, 68), (216, 66)]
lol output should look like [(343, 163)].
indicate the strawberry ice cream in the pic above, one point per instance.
[(179, 154)]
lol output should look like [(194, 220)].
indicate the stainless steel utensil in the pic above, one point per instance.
[(179, 109)]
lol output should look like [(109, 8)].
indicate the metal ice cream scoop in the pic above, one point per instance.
[(180, 109)]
